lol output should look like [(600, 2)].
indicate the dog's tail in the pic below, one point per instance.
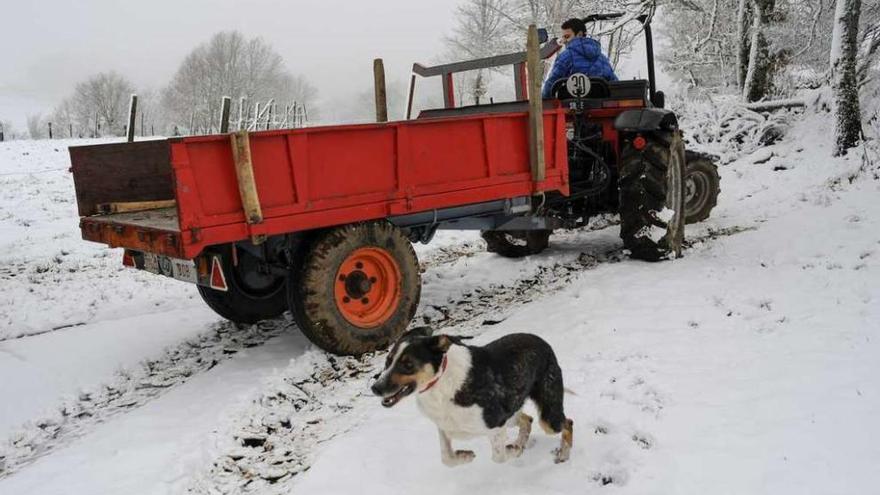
[(569, 391)]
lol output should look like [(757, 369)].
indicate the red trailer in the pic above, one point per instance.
[(177, 207)]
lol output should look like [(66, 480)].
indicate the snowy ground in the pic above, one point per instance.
[(748, 366)]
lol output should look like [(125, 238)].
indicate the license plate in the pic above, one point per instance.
[(184, 270)]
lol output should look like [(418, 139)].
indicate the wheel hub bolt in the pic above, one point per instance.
[(365, 301)]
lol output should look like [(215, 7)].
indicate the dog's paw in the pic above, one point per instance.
[(514, 450), (460, 457), (560, 455)]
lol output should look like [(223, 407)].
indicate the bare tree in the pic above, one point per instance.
[(479, 32), (228, 65), (7, 131), (103, 97), (844, 47), (36, 126)]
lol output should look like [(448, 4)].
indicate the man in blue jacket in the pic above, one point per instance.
[(581, 54)]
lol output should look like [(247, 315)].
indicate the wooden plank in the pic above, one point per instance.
[(536, 110), (132, 206), (121, 172), (379, 89), (247, 185)]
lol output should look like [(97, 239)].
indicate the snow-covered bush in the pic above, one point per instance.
[(722, 126)]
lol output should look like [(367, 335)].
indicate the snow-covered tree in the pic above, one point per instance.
[(103, 97), (36, 126), (7, 131), (844, 47), (229, 65)]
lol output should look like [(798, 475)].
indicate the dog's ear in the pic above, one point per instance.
[(418, 332), (441, 343)]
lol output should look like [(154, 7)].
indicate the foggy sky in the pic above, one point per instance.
[(50, 45)]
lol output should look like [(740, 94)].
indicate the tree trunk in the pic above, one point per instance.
[(762, 65), (741, 45), (844, 46), (749, 79)]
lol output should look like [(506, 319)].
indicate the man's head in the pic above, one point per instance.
[(573, 28)]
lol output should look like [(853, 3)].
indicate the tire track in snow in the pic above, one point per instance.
[(132, 389), (320, 399)]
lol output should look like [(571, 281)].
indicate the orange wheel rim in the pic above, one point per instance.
[(367, 287)]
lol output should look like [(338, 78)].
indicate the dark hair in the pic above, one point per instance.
[(576, 25)]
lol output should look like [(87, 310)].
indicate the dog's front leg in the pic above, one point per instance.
[(498, 439), (451, 457), (524, 423)]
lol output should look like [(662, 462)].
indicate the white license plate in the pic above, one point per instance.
[(184, 270)]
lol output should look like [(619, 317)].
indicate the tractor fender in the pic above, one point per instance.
[(646, 120)]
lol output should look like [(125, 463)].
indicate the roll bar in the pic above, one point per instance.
[(518, 60)]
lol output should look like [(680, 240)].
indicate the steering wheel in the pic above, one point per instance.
[(598, 89)]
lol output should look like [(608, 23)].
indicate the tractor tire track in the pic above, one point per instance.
[(313, 402), (134, 388)]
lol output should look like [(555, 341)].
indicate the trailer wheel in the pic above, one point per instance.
[(251, 295), (357, 288), (516, 243), (701, 187), (652, 196)]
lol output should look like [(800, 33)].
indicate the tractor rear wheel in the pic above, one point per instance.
[(252, 293), (652, 196), (701, 187), (516, 243), (357, 288)]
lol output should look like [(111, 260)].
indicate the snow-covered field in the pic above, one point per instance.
[(751, 365)]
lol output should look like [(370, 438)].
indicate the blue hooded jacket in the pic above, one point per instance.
[(582, 55)]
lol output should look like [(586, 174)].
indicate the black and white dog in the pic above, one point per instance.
[(478, 391)]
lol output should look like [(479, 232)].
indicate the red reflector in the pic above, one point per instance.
[(127, 259), (639, 143), (218, 280)]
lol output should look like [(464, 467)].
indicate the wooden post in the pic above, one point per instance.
[(143, 129), (132, 114), (50, 130), (96, 124), (69, 129), (225, 106), (240, 113), (379, 87), (247, 186), (410, 96), (536, 105)]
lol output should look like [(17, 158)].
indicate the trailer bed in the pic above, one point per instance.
[(309, 178)]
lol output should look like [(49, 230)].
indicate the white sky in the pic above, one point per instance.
[(50, 45)]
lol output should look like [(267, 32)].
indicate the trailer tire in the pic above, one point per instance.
[(701, 187), (247, 299), (357, 288), (652, 196), (516, 243)]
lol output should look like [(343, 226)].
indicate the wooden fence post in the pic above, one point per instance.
[(380, 93), (536, 105), (132, 118), (50, 130), (225, 106)]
